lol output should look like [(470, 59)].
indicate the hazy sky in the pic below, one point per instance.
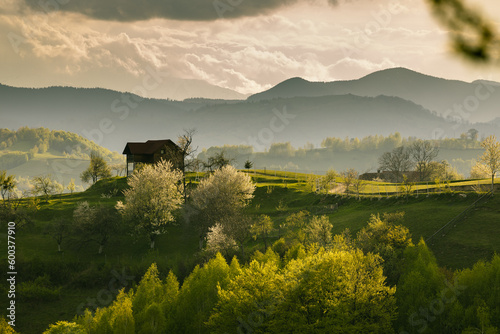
[(244, 45)]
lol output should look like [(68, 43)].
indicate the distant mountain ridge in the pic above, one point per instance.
[(351, 109), (467, 102), (176, 89)]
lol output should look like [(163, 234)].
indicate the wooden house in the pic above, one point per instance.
[(151, 152)]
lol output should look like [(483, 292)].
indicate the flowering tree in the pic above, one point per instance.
[(221, 197), (155, 193), (491, 157)]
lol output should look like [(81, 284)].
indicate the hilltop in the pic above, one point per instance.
[(31, 152), (471, 102)]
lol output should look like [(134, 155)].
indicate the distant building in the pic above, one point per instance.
[(151, 152)]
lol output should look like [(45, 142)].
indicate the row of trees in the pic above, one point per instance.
[(466, 140), (377, 281), (419, 157)]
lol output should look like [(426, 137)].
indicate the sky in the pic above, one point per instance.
[(151, 46)]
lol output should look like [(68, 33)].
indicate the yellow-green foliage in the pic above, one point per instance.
[(30, 141), (5, 328), (64, 327)]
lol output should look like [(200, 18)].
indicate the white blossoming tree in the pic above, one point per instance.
[(155, 193), (221, 197)]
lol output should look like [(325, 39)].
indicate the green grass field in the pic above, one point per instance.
[(83, 274)]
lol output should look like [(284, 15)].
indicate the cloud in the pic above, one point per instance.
[(134, 10)]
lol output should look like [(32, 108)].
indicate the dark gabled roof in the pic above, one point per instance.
[(149, 147)]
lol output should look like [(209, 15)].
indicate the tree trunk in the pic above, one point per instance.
[(492, 182), (101, 247), (59, 247), (152, 244)]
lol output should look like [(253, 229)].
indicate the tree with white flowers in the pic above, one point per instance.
[(221, 197), (155, 193), (491, 157)]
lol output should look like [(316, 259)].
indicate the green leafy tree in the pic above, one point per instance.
[(199, 294), (248, 165), (418, 288), (155, 193), (262, 228), (348, 179), (44, 185), (147, 301), (335, 292), (479, 296), (121, 315), (219, 198), (327, 180), (71, 186), (7, 184), (319, 230), (247, 302), (296, 223), (65, 327), (5, 328), (59, 229), (96, 223), (382, 236), (98, 169)]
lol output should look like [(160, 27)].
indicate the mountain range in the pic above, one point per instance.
[(473, 102), (295, 110)]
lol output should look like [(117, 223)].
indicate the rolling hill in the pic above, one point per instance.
[(33, 152), (468, 102), (297, 111)]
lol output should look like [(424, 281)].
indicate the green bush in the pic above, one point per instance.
[(38, 290)]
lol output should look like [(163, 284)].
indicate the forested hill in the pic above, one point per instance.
[(472, 102), (113, 118), (29, 152)]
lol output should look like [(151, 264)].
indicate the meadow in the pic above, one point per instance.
[(81, 277)]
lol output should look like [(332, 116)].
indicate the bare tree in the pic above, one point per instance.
[(423, 153), (45, 185), (397, 162), (218, 161), (185, 143), (358, 184)]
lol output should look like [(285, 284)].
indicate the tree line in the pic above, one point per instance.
[(310, 281)]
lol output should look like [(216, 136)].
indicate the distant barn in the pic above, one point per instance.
[(151, 152)]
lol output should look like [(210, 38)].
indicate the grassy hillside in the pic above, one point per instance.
[(82, 274)]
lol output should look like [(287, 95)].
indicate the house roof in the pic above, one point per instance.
[(149, 147)]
